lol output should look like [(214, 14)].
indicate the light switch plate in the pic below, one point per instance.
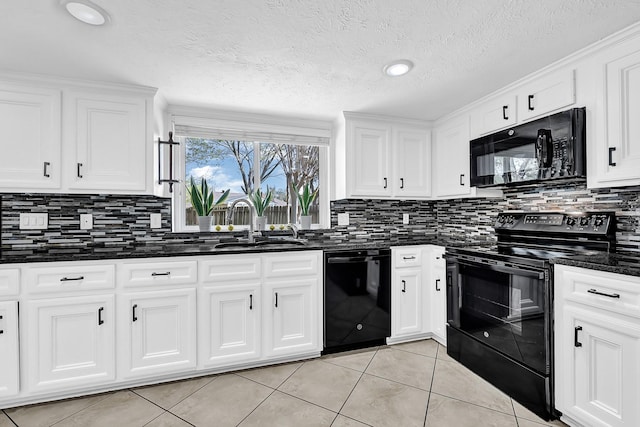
[(343, 218), (156, 220), (405, 219), (34, 221), (86, 221)]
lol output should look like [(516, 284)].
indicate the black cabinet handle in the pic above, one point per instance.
[(1, 330), (593, 291), (276, 300), (161, 274), (100, 321), (437, 283), (404, 286), (250, 301), (531, 108), (504, 112), (69, 279), (408, 257), (134, 312), (79, 174), (576, 343), (461, 179), (401, 183), (46, 172), (611, 150), (385, 183)]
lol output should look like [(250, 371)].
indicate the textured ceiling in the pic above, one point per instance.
[(308, 58)]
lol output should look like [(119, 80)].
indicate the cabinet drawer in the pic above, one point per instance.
[(158, 273), (608, 291), (9, 282), (407, 257), (222, 269), (292, 264), (69, 278)]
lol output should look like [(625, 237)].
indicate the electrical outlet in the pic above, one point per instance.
[(405, 219), (86, 221), (155, 220), (34, 221), (343, 218)]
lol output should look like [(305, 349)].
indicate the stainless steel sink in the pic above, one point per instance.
[(283, 243)]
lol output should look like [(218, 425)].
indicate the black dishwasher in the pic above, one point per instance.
[(357, 298)]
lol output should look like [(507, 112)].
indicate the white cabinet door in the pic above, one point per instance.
[(9, 350), (228, 324), (69, 342), (291, 316), (495, 115), (407, 303), (157, 332), (368, 160), (108, 144), (546, 94), (451, 159), (615, 152), (438, 295), (412, 163), (30, 123), (599, 368)]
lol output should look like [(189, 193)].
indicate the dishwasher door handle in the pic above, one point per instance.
[(352, 260)]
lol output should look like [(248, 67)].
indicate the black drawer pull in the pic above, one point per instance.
[(530, 105), (462, 179), (401, 183), (404, 286), (611, 150), (276, 300), (100, 321), (408, 257), (504, 112), (46, 172), (1, 330), (250, 301), (593, 291), (79, 172), (437, 283), (134, 312), (385, 183), (161, 274), (576, 343), (69, 279)]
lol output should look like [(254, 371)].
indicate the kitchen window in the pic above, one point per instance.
[(245, 160)]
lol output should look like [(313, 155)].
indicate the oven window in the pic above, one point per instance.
[(505, 311)]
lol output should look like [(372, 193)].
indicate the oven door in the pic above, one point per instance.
[(504, 307)]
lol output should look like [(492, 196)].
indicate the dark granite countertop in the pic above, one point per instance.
[(173, 248), (628, 264)]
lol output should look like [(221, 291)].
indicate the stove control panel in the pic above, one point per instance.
[(585, 223)]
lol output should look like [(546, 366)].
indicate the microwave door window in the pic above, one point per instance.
[(515, 162)]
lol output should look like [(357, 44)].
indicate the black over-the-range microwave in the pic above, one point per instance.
[(549, 148)]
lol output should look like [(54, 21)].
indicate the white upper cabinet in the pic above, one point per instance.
[(107, 137), (69, 137), (494, 115), (614, 153), (30, 123), (451, 159), (387, 158), (545, 94)]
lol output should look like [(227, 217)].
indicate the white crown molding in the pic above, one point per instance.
[(354, 115)]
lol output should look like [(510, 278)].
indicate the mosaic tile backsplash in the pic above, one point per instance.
[(123, 221)]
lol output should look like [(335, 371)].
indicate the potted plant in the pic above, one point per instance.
[(203, 200), (305, 199), (260, 203)]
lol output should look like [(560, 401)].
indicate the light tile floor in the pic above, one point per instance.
[(412, 384)]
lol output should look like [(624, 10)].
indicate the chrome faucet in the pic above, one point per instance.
[(252, 211), (295, 230)]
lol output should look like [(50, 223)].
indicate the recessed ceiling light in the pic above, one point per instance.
[(398, 68), (86, 11)]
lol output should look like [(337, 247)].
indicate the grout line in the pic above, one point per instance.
[(474, 404), (433, 375), (105, 394), (167, 412), (9, 418), (357, 382)]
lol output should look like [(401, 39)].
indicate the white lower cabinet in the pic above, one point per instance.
[(407, 303), (291, 316), (157, 332), (438, 291), (229, 324), (69, 342), (9, 354), (597, 356)]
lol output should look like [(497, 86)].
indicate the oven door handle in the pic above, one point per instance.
[(538, 274)]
